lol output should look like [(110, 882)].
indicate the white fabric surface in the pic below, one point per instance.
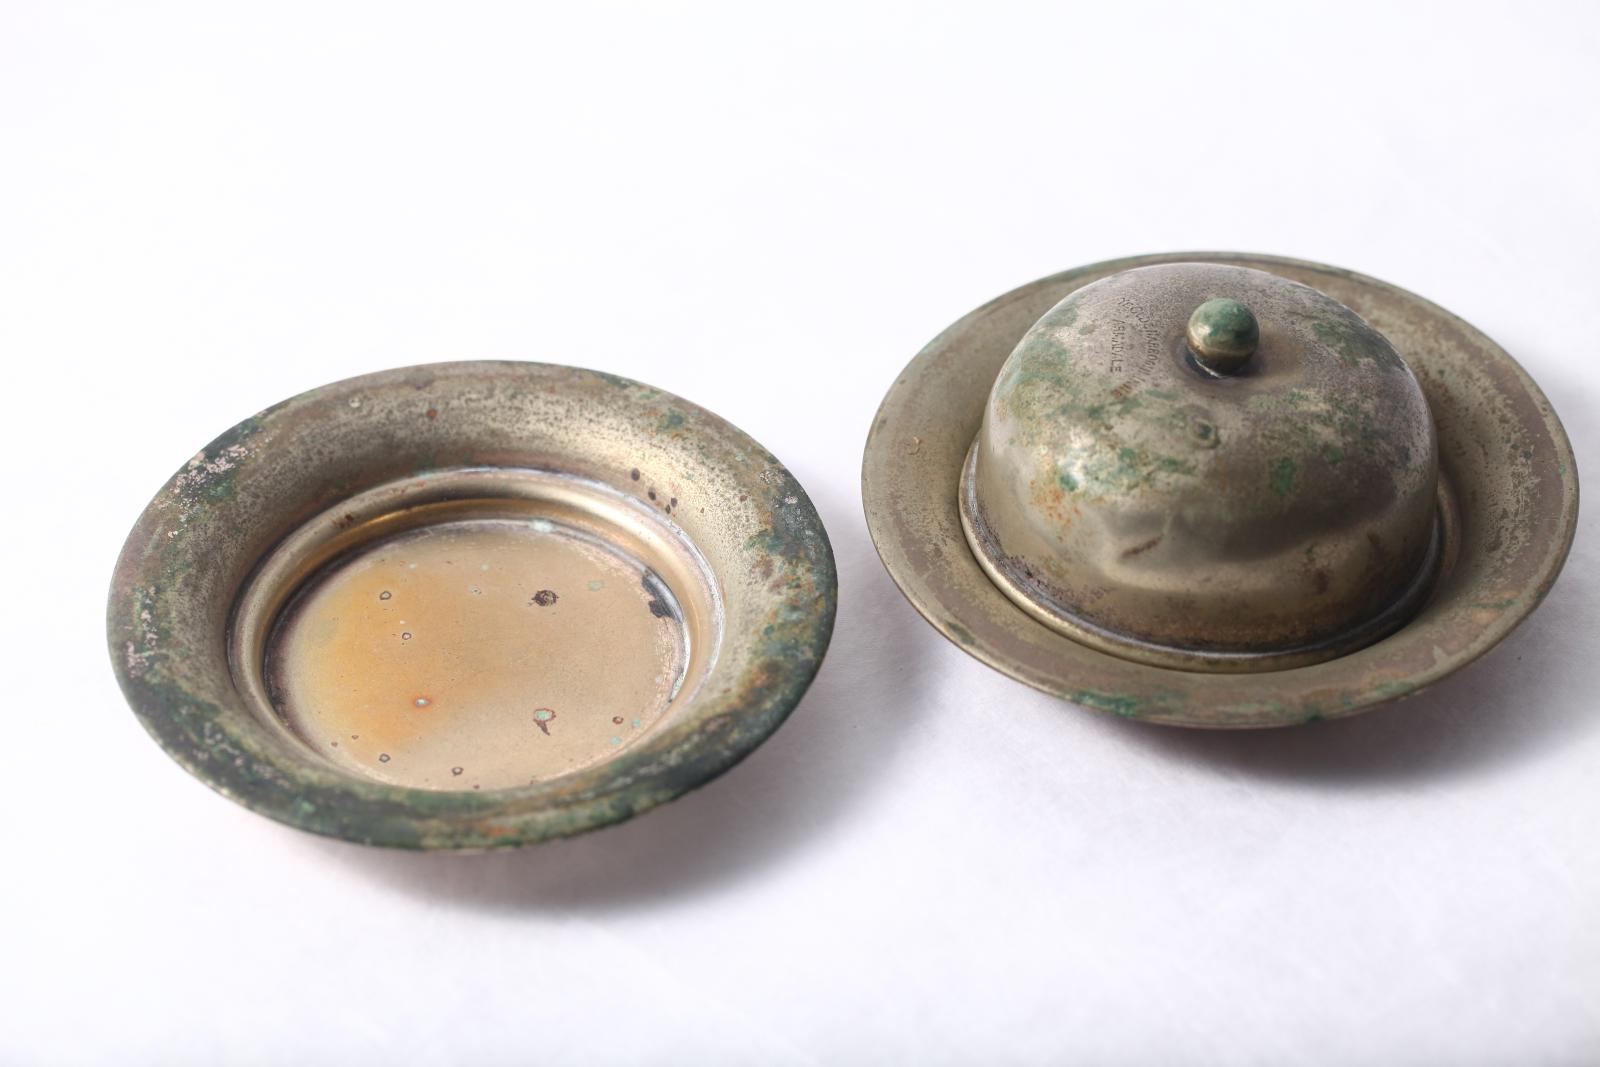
[(205, 208)]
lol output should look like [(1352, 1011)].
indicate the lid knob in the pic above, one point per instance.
[(1223, 335)]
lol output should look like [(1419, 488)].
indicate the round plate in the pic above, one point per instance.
[(471, 605), (1509, 496)]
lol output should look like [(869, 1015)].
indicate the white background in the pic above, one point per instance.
[(205, 208)]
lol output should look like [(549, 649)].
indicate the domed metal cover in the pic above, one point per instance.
[(1278, 511), (1472, 522)]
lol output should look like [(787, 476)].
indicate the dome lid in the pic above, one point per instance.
[(1207, 467)]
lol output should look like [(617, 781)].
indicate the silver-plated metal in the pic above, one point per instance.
[(471, 605), (1276, 512), (1506, 502)]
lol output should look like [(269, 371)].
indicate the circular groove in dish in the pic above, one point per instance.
[(476, 629)]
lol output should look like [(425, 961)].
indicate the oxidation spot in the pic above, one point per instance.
[(406, 636), (455, 770), (432, 413), (595, 585), (475, 785), (791, 500), (385, 595), (660, 599), (634, 474), (422, 702), (637, 723), (474, 590), (617, 719), (545, 597), (335, 744), (383, 757), (543, 526), (1142, 547), (355, 737), (616, 740), (541, 719)]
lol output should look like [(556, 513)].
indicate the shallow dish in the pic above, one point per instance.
[(471, 605)]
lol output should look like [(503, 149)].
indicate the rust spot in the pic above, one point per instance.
[(659, 607), (634, 474), (432, 413), (1140, 549)]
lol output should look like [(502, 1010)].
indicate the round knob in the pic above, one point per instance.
[(1223, 335)]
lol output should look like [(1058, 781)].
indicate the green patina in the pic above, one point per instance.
[(1353, 340), (1118, 704), (1100, 472), (1281, 477), (1223, 334), (614, 379), (211, 479)]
